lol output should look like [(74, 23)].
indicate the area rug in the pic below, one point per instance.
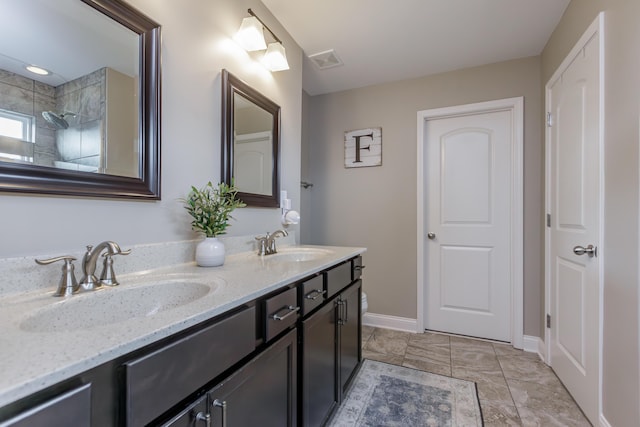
[(390, 395)]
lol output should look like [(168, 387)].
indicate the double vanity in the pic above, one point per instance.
[(263, 340)]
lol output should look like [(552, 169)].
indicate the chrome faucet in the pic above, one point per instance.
[(267, 243), (89, 281), (68, 284)]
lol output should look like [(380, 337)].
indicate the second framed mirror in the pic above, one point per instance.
[(250, 142)]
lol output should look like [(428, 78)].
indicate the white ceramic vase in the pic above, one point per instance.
[(210, 252)]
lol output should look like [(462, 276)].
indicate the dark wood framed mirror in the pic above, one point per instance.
[(122, 93), (250, 143)]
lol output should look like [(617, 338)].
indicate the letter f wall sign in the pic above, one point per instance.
[(363, 148)]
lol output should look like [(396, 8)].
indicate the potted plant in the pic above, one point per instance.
[(210, 208)]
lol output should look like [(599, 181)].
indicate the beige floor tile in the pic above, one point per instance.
[(491, 384), (426, 365), (474, 360), (499, 414), (527, 369), (551, 404), (468, 344), (508, 350), (393, 359), (429, 338), (367, 331), (388, 342)]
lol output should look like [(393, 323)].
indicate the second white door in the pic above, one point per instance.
[(468, 160)]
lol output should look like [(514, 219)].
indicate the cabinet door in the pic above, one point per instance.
[(349, 321), (262, 393), (196, 415), (319, 395)]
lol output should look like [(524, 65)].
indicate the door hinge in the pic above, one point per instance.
[(548, 220), (549, 120), (548, 320)]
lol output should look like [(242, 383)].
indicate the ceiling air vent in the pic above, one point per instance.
[(326, 59)]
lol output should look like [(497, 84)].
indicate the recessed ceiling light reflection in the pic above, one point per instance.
[(38, 70)]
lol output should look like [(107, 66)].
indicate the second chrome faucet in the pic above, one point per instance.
[(267, 243)]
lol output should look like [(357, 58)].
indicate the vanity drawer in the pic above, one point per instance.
[(157, 381), (72, 408), (313, 293), (281, 312), (338, 278), (357, 267)]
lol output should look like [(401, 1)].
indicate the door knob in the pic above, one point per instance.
[(589, 250), (431, 236)]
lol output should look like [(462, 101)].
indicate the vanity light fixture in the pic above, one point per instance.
[(251, 37), (37, 70)]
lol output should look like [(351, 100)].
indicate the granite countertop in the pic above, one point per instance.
[(35, 355)]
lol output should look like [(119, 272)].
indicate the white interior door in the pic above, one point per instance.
[(468, 224), (573, 138), (252, 163)]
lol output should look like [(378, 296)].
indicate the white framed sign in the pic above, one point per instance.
[(363, 148)]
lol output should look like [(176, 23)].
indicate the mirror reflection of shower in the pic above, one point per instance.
[(58, 120)]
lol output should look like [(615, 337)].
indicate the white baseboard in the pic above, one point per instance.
[(390, 322), (534, 345)]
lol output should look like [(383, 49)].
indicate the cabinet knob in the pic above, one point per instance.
[(201, 416)]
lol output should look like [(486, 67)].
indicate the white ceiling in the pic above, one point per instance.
[(67, 37), (389, 40)]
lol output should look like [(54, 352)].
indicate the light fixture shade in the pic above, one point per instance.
[(275, 58), (250, 35)]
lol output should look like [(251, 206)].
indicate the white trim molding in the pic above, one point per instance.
[(516, 106), (536, 345), (391, 322)]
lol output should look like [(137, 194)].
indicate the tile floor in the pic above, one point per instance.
[(515, 388)]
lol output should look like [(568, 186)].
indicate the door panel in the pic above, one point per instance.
[(468, 202), (573, 99)]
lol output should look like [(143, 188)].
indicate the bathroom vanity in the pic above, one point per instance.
[(270, 341)]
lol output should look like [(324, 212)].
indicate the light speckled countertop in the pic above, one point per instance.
[(33, 360)]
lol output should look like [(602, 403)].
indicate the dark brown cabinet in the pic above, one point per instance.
[(331, 346), (262, 392)]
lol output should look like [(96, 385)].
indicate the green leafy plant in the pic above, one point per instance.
[(211, 207)]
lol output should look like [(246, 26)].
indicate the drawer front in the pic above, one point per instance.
[(72, 408), (313, 293), (357, 268), (281, 312), (159, 380), (338, 278)]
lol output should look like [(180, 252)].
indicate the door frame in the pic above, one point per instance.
[(516, 107), (595, 29)]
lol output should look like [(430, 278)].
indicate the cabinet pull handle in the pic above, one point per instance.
[(340, 303), (201, 416), (292, 310), (359, 267), (316, 293), (346, 312), (223, 406)]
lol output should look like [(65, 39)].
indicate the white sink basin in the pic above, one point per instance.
[(294, 254), (109, 306)]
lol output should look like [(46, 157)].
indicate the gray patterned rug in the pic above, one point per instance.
[(390, 395)]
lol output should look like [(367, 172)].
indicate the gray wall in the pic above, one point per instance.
[(196, 45), (621, 355), (376, 207)]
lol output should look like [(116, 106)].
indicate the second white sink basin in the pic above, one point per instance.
[(296, 254), (109, 306)]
